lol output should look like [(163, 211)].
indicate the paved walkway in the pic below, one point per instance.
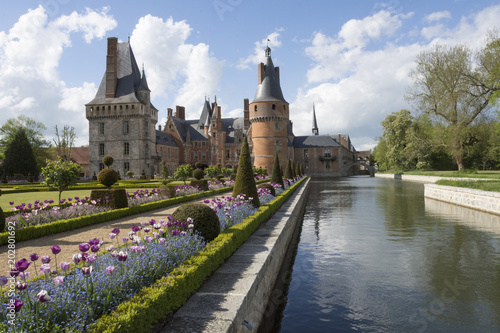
[(69, 240)]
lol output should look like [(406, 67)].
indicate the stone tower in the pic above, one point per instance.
[(269, 117), (121, 118)]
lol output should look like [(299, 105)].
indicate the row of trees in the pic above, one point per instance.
[(455, 91), (25, 150)]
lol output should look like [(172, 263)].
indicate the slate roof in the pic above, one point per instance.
[(313, 141), (164, 138), (206, 113), (128, 79), (269, 90), (229, 125), (189, 126)]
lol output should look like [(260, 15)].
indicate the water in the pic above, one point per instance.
[(375, 256)]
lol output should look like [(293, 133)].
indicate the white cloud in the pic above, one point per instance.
[(171, 62), (354, 88), (30, 53), (258, 55), (75, 98), (437, 16)]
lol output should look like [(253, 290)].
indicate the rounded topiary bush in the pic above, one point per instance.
[(206, 222), (270, 188), (107, 160), (198, 174), (107, 177)]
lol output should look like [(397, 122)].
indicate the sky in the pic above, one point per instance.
[(350, 58)]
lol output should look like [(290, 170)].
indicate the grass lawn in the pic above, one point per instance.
[(493, 174), (485, 185)]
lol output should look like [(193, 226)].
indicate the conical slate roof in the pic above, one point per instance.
[(143, 85), (315, 123), (269, 90)]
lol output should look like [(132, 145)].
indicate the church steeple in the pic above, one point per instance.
[(315, 123)]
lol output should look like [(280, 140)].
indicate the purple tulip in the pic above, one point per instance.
[(55, 249), (84, 256), (112, 235), (175, 232), (191, 226), (122, 256), (45, 269), (110, 270), (14, 273), (22, 265), (94, 241), (3, 280), (59, 280), (77, 257), (161, 240), (65, 266), (24, 275), (87, 270), (110, 248), (21, 285), (135, 228), (116, 231), (11, 203), (84, 247), (125, 239), (147, 230), (43, 296), (91, 258), (95, 248), (34, 257), (17, 305), (169, 224), (143, 223), (45, 259), (152, 222)]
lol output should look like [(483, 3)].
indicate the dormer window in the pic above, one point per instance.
[(274, 107)]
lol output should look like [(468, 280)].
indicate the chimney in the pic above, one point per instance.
[(219, 118), (277, 71), (261, 72), (111, 67), (183, 113), (159, 128), (246, 115), (169, 112)]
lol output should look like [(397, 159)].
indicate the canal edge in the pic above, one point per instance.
[(235, 297)]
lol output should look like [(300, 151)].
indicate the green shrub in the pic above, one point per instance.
[(107, 160), (107, 177), (206, 222), (276, 176), (2, 220), (288, 170), (197, 165), (143, 175), (245, 181), (130, 173), (233, 176), (198, 174), (269, 187), (115, 198)]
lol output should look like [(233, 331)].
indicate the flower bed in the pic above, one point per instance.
[(95, 284)]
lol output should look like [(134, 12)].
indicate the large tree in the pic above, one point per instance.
[(454, 85), (65, 141), (34, 131), (19, 157)]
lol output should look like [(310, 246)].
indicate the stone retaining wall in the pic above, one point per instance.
[(486, 201), (239, 290)]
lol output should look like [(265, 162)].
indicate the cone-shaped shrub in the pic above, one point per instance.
[(288, 170), (2, 218), (293, 169), (276, 176), (245, 181), (297, 169)]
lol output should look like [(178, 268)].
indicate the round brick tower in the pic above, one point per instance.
[(269, 117)]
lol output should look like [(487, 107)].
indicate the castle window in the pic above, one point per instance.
[(133, 106), (196, 144), (101, 166), (109, 107), (277, 126), (278, 146), (97, 109), (101, 149), (199, 154), (91, 109), (327, 164), (126, 148), (168, 152), (146, 153), (126, 128), (203, 155), (327, 152), (114, 107), (306, 164), (306, 153), (284, 107), (213, 135), (274, 107), (126, 107), (169, 126), (255, 109), (101, 128), (228, 153), (126, 167), (203, 144), (121, 107)]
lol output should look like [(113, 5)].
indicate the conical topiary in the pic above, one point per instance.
[(276, 176), (288, 170), (297, 169), (293, 169), (245, 181)]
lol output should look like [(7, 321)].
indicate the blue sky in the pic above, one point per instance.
[(350, 58)]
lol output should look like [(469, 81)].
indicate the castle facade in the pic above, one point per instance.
[(123, 124)]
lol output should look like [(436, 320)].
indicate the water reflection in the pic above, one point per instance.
[(374, 256)]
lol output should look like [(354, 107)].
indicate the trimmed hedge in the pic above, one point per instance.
[(152, 304)]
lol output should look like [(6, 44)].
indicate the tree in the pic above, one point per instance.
[(164, 173), (19, 157), (34, 131), (288, 170), (276, 176), (183, 172), (65, 141), (454, 86), (245, 180), (212, 171), (61, 175)]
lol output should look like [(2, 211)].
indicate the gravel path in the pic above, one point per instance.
[(69, 240)]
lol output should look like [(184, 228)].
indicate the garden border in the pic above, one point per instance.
[(154, 303), (38, 231)]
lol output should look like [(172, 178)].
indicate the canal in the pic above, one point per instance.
[(374, 256)]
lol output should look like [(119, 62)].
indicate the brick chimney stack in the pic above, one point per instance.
[(180, 112), (246, 114), (111, 67), (169, 112)]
